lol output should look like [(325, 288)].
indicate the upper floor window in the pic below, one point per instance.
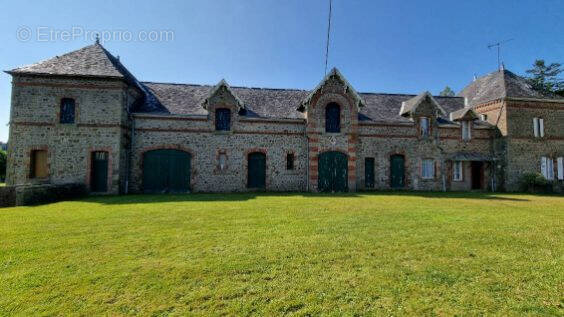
[(333, 118), (67, 111), (547, 167), (290, 158), (424, 126), (457, 171), (38, 164), (428, 169), (538, 127), (466, 130), (222, 119)]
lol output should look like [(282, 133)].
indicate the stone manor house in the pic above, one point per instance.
[(84, 118)]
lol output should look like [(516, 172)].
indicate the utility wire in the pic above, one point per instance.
[(328, 33)]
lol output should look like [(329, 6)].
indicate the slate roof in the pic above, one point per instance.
[(186, 99), (499, 84), (90, 61)]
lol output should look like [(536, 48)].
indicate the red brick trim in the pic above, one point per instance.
[(172, 130), (275, 121), (545, 138), (36, 124), (171, 118), (269, 132), (177, 147), (488, 103), (376, 124), (89, 165), (387, 136), (79, 86)]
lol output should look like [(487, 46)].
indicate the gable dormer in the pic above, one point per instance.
[(422, 105), (222, 105), (333, 82)]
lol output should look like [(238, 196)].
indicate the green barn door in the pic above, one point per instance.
[(397, 171), (166, 171), (99, 172), (332, 172), (256, 172)]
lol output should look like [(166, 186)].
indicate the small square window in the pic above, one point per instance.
[(290, 157)]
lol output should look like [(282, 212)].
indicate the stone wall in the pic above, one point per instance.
[(100, 122)]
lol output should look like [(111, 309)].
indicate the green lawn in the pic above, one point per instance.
[(269, 254)]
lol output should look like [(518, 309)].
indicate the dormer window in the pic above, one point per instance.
[(538, 127), (333, 118), (222, 119), (466, 130), (424, 127), (67, 114)]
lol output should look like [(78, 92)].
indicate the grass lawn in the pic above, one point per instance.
[(384, 254)]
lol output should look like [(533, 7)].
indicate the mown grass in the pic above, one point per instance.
[(382, 254)]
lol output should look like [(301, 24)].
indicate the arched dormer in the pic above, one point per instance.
[(222, 105)]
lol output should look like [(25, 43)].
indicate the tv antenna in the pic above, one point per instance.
[(498, 44), (328, 33)]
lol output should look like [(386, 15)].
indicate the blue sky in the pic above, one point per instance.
[(380, 46)]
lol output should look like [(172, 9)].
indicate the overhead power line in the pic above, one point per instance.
[(328, 35)]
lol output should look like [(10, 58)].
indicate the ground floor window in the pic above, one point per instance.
[(428, 169), (560, 168), (547, 167), (457, 171), (369, 172), (38, 164)]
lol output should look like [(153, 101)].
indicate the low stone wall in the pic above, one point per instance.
[(39, 194), (7, 196)]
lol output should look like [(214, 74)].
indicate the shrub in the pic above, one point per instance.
[(534, 183), (2, 165)]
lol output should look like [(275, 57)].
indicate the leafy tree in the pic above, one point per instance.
[(2, 165), (544, 78), (447, 92)]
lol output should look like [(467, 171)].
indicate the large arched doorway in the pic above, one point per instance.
[(256, 170), (397, 171), (332, 172), (166, 171)]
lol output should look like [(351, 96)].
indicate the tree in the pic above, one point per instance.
[(2, 165), (447, 92), (544, 79)]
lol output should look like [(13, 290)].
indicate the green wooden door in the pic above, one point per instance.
[(369, 172), (99, 172), (397, 171), (332, 172), (256, 171), (166, 171)]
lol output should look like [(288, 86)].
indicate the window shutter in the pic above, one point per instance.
[(541, 127), (561, 168), (543, 167), (469, 130), (536, 127)]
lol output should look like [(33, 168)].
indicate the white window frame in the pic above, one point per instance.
[(538, 127), (428, 169), (560, 167), (466, 127), (457, 171), (425, 129), (484, 117), (547, 168)]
